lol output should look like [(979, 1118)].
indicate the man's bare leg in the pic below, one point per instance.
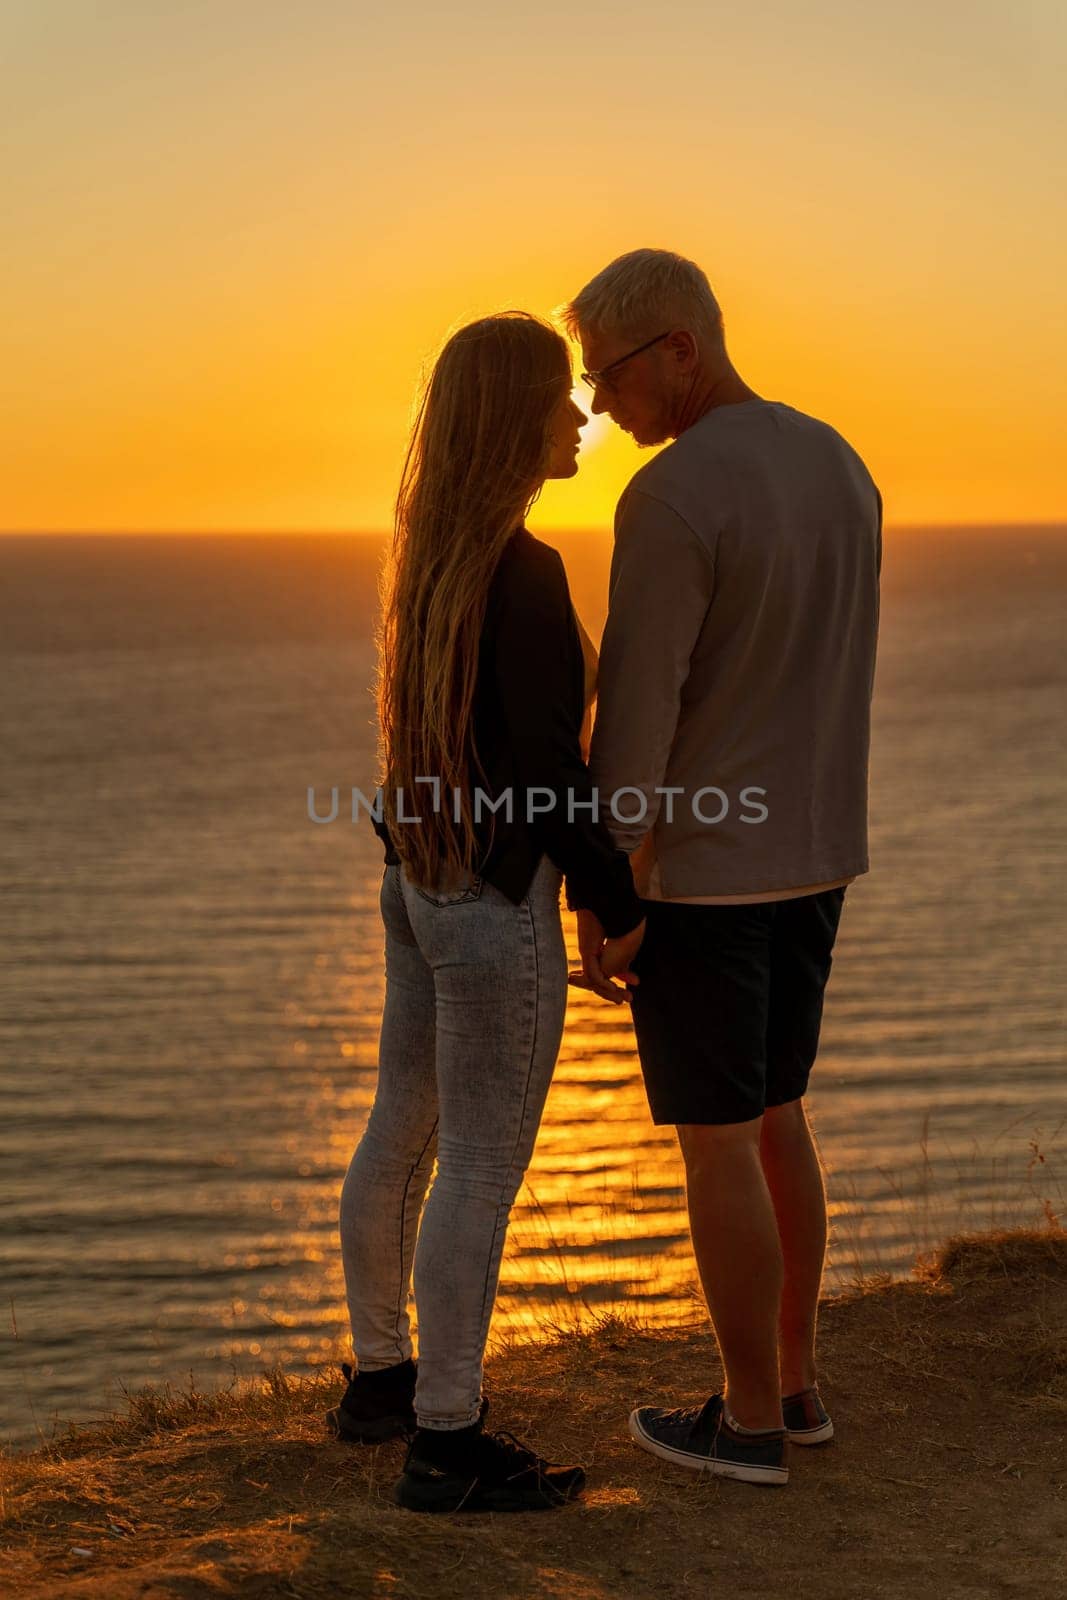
[(735, 1240), (795, 1181)]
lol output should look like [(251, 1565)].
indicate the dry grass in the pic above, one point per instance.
[(994, 1188), (948, 1477)]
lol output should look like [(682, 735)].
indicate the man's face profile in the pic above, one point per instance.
[(635, 395)]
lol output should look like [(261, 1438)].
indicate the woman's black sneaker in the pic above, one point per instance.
[(468, 1470), (379, 1405), (376, 1406)]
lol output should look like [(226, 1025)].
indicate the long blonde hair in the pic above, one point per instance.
[(477, 459)]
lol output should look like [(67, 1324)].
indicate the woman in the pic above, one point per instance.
[(483, 689)]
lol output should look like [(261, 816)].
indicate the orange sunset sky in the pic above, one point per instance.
[(236, 231)]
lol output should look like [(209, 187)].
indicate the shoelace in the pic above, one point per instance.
[(507, 1444), (689, 1416)]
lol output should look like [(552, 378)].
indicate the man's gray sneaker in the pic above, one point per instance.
[(700, 1438), (806, 1421)]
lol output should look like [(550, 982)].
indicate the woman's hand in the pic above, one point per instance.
[(604, 959)]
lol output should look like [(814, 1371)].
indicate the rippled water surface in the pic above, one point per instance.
[(192, 977)]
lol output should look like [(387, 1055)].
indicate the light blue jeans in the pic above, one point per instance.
[(475, 997)]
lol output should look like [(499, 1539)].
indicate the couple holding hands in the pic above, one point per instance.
[(705, 835)]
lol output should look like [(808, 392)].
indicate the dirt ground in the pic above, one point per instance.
[(948, 1476)]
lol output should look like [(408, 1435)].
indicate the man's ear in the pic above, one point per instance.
[(683, 347)]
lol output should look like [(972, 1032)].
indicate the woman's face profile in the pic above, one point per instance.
[(564, 438)]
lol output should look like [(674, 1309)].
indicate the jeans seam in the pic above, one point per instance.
[(402, 1289), (522, 1113)]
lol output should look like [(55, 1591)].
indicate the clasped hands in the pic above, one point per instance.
[(604, 959)]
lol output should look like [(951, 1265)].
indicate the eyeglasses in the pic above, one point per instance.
[(603, 380)]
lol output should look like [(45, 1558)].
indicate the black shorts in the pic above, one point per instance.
[(729, 1006)]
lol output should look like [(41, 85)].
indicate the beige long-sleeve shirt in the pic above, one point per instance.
[(737, 663)]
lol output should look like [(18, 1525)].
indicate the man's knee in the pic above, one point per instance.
[(791, 1111), (707, 1143), (785, 1124)]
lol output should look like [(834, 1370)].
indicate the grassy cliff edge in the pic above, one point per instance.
[(948, 1476)]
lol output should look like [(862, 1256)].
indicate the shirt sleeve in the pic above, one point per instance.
[(662, 584), (535, 662)]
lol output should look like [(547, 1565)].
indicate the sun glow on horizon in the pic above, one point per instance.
[(235, 247)]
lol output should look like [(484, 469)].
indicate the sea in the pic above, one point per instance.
[(191, 976)]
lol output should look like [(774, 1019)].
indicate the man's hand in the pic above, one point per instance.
[(604, 959)]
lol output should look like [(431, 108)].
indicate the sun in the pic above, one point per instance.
[(595, 431)]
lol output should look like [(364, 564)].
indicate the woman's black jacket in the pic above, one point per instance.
[(528, 709)]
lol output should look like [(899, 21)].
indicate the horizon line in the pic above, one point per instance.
[(600, 531)]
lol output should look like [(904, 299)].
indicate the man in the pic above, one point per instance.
[(731, 742)]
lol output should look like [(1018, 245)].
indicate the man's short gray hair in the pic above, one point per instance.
[(641, 288)]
